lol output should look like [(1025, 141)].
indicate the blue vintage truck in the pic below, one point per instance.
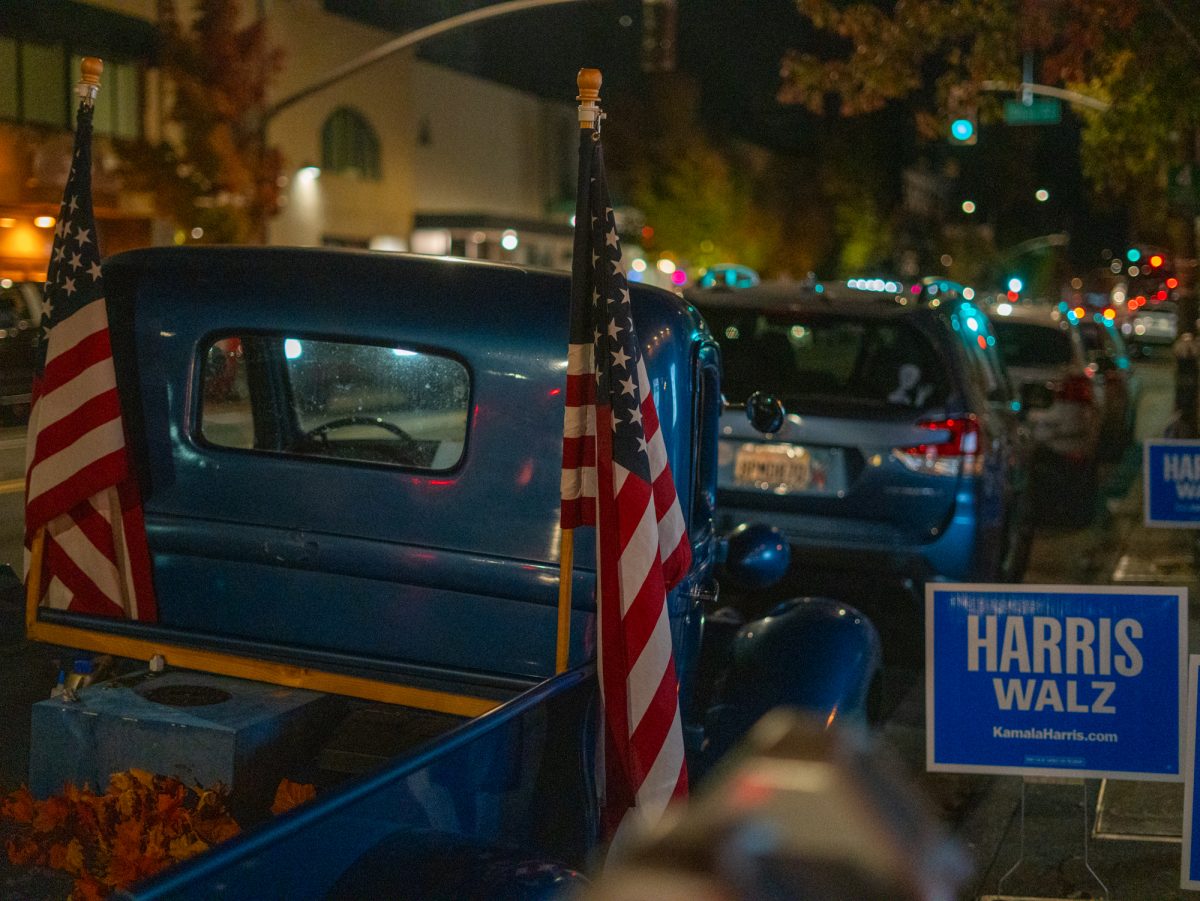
[(350, 465)]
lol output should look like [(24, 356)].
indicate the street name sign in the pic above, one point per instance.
[(1190, 860), (1038, 111), (1171, 483), (1055, 680)]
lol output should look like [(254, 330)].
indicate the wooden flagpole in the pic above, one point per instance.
[(33, 580), (588, 81), (566, 563)]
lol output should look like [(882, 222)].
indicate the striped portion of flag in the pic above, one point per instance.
[(616, 476), (79, 493), (579, 438), (674, 549)]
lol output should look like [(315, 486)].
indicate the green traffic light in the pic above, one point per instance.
[(962, 129), (1133, 254)]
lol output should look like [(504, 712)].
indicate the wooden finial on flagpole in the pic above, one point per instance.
[(88, 86), (91, 67), (588, 81)]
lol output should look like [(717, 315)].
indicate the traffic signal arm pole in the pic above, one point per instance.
[(408, 39), (1045, 90)]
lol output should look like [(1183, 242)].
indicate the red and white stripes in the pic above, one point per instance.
[(77, 485)]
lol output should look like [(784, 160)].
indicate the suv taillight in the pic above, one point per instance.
[(957, 453), (1075, 389)]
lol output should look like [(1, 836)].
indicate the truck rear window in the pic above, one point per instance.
[(341, 400)]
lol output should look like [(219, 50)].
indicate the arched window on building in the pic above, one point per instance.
[(349, 144)]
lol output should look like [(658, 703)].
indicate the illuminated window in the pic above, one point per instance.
[(43, 84), (349, 144), (37, 85)]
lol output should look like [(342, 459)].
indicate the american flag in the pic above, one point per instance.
[(616, 477), (79, 491)]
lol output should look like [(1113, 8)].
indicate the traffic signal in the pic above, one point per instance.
[(964, 121), (1156, 263)]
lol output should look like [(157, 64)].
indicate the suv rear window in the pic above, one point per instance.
[(344, 400), (1030, 344), (815, 360)]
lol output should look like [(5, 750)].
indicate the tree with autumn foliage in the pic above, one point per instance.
[(1136, 55), (213, 169), (698, 196), (703, 208)]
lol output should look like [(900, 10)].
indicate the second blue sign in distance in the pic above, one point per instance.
[(1171, 476)]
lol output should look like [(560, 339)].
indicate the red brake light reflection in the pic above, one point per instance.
[(958, 452), (963, 440), (1076, 389)]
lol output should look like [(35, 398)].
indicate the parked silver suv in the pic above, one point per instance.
[(1048, 364)]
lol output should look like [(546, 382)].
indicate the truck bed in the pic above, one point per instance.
[(512, 785)]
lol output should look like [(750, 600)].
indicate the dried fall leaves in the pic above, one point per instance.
[(141, 824)]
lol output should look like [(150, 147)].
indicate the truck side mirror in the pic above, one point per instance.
[(765, 412), (757, 555)]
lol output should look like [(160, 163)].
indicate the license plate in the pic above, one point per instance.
[(777, 467)]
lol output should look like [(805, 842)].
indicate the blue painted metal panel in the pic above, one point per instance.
[(370, 617), (1062, 680)]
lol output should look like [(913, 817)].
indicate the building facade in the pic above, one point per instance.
[(488, 167), (41, 44)]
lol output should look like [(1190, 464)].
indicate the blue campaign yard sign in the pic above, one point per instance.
[(1060, 680), (1171, 479), (1190, 869)]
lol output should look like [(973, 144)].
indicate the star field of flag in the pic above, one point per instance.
[(73, 277), (617, 350)]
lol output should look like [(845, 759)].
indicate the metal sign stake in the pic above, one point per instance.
[(1021, 858)]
